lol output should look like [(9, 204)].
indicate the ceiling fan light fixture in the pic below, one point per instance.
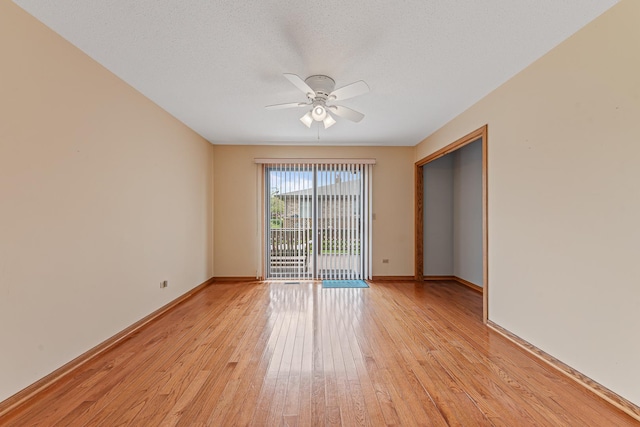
[(329, 121), (307, 119), (318, 113)]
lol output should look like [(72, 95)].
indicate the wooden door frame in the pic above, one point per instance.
[(419, 210)]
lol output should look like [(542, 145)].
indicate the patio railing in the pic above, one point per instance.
[(291, 250), (292, 242)]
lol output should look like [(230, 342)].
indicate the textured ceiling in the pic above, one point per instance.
[(215, 64)]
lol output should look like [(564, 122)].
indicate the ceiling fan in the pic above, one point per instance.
[(321, 96)]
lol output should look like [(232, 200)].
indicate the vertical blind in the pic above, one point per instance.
[(317, 218)]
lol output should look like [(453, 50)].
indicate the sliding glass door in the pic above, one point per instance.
[(290, 193), (317, 221)]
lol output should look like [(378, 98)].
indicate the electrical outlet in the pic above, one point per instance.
[(164, 283), (385, 261)]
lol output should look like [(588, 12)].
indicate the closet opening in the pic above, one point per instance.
[(451, 214)]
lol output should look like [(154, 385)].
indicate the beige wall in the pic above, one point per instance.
[(237, 210), (102, 196), (564, 199)]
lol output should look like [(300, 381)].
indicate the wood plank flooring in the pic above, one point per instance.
[(271, 354)]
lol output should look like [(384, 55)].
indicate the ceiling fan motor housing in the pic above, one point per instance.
[(321, 85)]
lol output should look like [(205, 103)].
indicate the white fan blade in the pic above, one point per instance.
[(307, 119), (347, 113), (349, 91), (328, 121), (300, 84), (288, 105)]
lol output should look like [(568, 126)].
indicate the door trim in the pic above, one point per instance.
[(419, 209)]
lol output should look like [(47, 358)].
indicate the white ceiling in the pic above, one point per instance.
[(215, 64)]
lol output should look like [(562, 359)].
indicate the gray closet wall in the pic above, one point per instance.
[(453, 215)]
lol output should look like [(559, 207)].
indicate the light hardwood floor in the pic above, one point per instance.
[(270, 354)]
